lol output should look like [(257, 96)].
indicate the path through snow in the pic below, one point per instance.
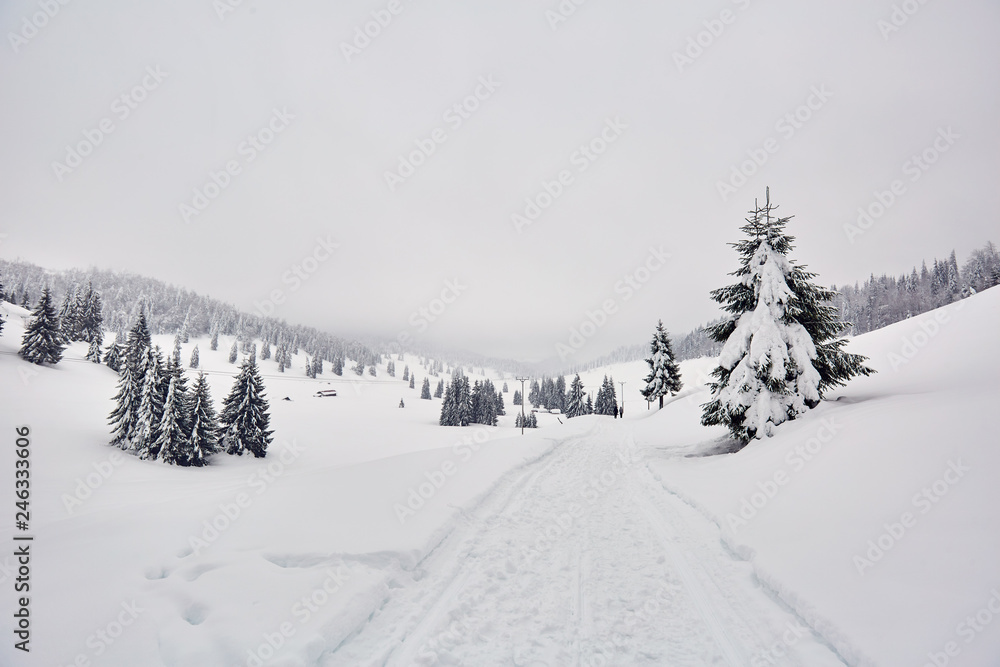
[(582, 558)]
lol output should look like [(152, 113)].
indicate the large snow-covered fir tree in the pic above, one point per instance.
[(664, 374), (425, 389), (781, 347), (203, 438), (244, 419), (575, 403), (172, 439), (607, 398), (150, 414), (43, 341)]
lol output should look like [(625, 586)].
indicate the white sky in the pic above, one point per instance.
[(655, 186)]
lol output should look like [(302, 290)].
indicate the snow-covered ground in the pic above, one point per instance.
[(370, 535)]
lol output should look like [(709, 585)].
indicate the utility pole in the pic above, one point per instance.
[(623, 399), (523, 399)]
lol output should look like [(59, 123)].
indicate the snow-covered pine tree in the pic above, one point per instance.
[(413, 377), (575, 404), (125, 416), (317, 364), (233, 352), (113, 357), (781, 336), (214, 344), (664, 374), (534, 393), (176, 356), (94, 351), (194, 358), (171, 440), (359, 368), (372, 371), (253, 352), (590, 405), (505, 387), (244, 419), (338, 365), (501, 409), (406, 373), (517, 397), (439, 390), (203, 438), (390, 368), (150, 413), (265, 350), (559, 394), (425, 389), (43, 341)]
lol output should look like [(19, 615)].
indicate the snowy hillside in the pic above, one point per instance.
[(371, 535)]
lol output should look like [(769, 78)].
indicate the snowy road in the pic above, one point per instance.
[(582, 558)]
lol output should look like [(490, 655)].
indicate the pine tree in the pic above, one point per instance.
[(517, 397), (171, 440), (425, 389), (338, 365), (125, 416), (575, 405), (534, 394), (317, 368), (203, 438), (590, 405), (505, 387), (439, 390), (94, 351), (233, 352), (43, 342), (372, 371), (244, 420), (390, 369), (150, 413), (406, 373), (413, 378), (664, 374), (113, 357), (265, 350), (176, 356), (781, 348), (559, 394), (214, 345), (194, 358)]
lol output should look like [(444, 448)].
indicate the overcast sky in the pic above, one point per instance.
[(671, 119)]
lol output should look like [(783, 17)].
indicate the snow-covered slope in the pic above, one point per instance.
[(369, 531), (877, 516)]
